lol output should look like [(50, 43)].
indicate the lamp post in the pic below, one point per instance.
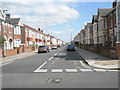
[(4, 19), (71, 38)]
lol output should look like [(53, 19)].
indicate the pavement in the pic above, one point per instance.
[(98, 61), (10, 59)]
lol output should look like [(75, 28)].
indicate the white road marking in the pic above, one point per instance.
[(100, 70), (57, 52), (114, 70), (71, 70), (50, 58), (40, 66), (85, 70), (41, 70), (83, 64), (57, 70)]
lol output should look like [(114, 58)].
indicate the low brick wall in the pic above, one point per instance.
[(1, 53), (28, 49), (105, 51), (10, 52), (118, 50), (20, 49)]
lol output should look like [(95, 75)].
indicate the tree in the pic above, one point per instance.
[(2, 40)]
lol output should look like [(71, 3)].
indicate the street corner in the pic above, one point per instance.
[(107, 64)]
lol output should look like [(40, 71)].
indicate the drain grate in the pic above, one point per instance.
[(54, 80)]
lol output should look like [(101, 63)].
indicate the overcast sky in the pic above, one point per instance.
[(57, 17)]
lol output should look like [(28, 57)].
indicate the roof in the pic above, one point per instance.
[(105, 11), (94, 18), (26, 26), (13, 21)]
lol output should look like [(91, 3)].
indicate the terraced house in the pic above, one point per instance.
[(16, 37), (103, 34), (118, 27), (17, 23)]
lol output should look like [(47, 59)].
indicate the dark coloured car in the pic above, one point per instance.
[(43, 49), (71, 48)]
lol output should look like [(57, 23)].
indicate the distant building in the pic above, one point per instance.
[(82, 32), (88, 34), (95, 29)]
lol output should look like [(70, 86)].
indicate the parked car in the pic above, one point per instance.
[(43, 49), (58, 45), (71, 47), (54, 47)]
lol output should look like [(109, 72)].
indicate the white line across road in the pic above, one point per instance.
[(100, 70), (41, 70), (71, 70), (86, 70), (37, 70), (57, 70)]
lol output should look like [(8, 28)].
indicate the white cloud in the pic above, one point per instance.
[(26, 1), (55, 32), (42, 14)]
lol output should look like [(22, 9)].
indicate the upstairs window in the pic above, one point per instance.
[(119, 13)]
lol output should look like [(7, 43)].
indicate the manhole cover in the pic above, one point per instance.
[(54, 80)]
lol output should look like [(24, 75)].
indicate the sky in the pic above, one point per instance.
[(58, 18)]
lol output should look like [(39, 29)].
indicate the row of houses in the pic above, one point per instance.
[(102, 34), (14, 34)]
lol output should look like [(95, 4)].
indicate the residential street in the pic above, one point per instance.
[(57, 69)]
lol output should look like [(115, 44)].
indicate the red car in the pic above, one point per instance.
[(58, 45)]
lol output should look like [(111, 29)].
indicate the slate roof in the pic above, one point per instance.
[(105, 11), (94, 18), (13, 21)]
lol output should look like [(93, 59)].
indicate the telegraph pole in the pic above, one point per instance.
[(71, 38)]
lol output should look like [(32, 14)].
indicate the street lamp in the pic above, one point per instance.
[(4, 32)]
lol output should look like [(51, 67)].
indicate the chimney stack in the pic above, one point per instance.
[(8, 15)]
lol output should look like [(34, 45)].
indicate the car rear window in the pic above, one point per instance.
[(41, 46)]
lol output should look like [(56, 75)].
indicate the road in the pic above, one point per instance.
[(57, 69)]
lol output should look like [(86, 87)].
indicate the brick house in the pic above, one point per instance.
[(82, 32), (48, 40), (88, 34), (118, 28), (118, 21), (7, 32), (102, 25), (53, 40), (95, 29), (77, 39), (111, 28), (17, 30), (32, 36)]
